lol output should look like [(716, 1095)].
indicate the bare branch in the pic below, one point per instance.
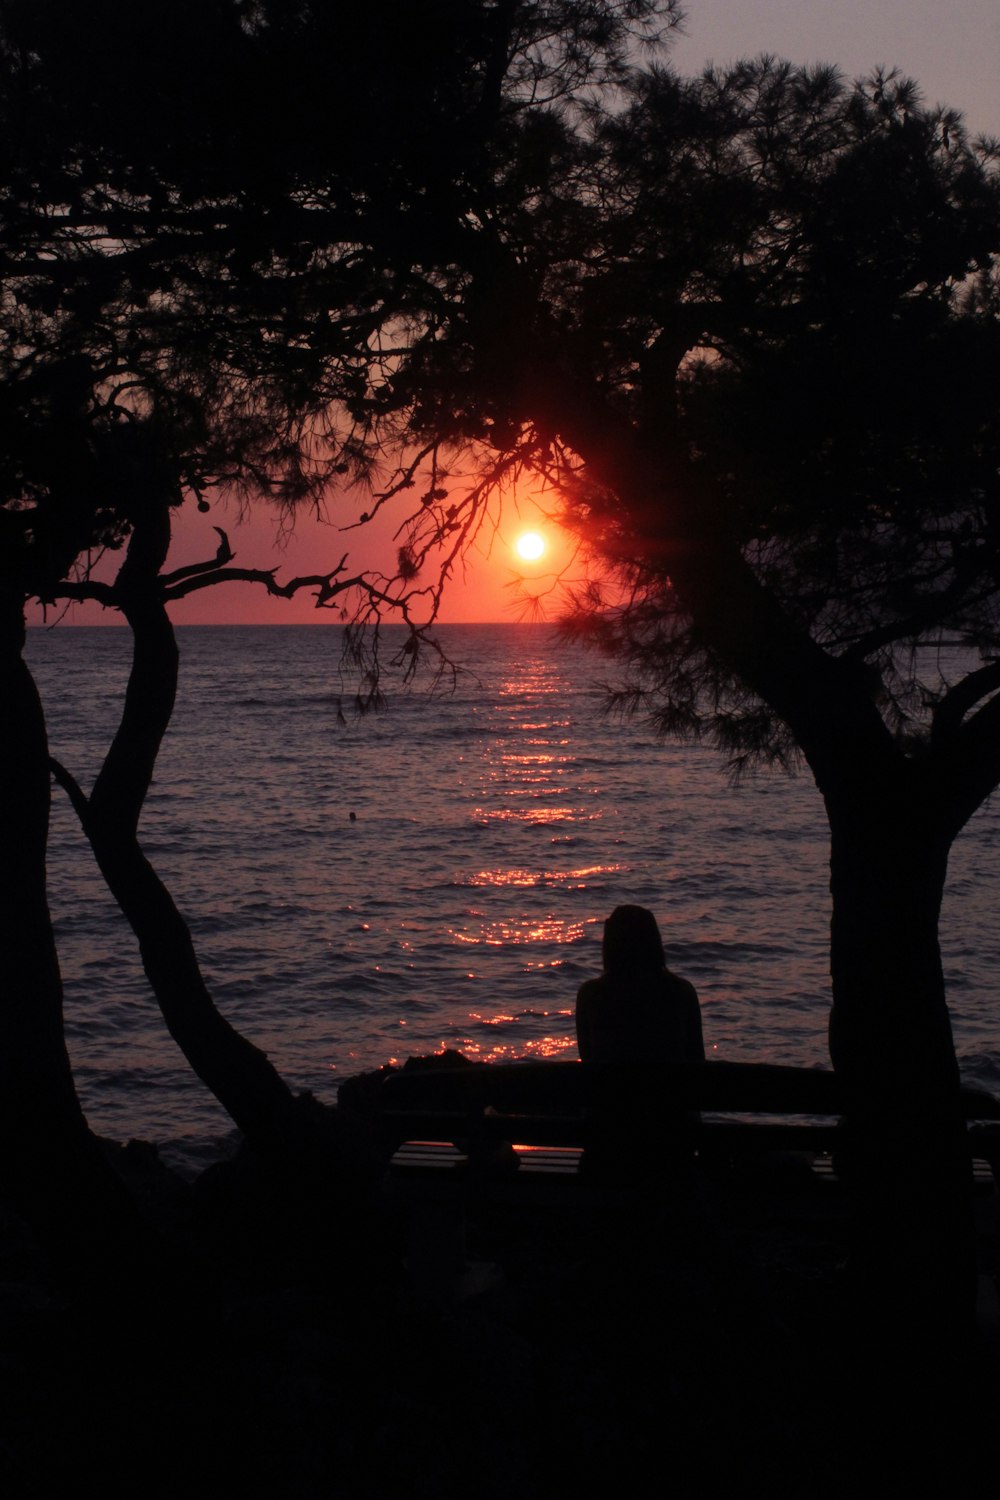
[(77, 590), (224, 554), (207, 580), (73, 790), (403, 479), (970, 765), (953, 707)]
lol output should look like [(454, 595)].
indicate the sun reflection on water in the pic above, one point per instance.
[(531, 814), (575, 879), (509, 758), (539, 1047), (529, 776), (504, 1018), (536, 683), (502, 930)]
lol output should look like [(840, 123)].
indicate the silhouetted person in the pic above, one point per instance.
[(637, 1012)]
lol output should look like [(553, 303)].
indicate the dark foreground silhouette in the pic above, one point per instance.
[(268, 1342)]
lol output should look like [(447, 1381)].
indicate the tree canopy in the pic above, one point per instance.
[(786, 286), (830, 384), (218, 219)]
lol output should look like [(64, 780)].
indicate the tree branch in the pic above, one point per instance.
[(73, 790), (224, 554), (936, 610), (957, 702), (79, 591), (969, 769)]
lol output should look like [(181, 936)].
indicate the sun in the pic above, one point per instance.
[(530, 546)]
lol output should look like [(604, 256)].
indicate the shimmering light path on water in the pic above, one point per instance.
[(495, 826)]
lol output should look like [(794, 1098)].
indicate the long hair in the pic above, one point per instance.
[(632, 944)]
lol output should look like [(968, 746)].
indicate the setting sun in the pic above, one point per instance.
[(530, 546)]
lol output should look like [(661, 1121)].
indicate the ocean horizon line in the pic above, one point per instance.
[(301, 625)]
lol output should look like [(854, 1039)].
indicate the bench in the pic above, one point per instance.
[(734, 1108), (461, 1137)]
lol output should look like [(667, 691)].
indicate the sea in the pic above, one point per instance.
[(362, 888)]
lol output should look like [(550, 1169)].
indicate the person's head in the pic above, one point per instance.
[(632, 942)]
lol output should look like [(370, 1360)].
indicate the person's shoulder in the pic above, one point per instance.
[(590, 989), (682, 988)]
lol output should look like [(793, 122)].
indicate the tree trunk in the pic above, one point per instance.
[(239, 1075), (913, 1261), (50, 1164)]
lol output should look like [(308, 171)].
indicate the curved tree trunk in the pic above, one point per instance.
[(238, 1073), (50, 1163)]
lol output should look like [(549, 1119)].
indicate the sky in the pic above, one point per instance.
[(953, 51)]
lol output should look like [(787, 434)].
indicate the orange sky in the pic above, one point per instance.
[(495, 583), (491, 586)]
